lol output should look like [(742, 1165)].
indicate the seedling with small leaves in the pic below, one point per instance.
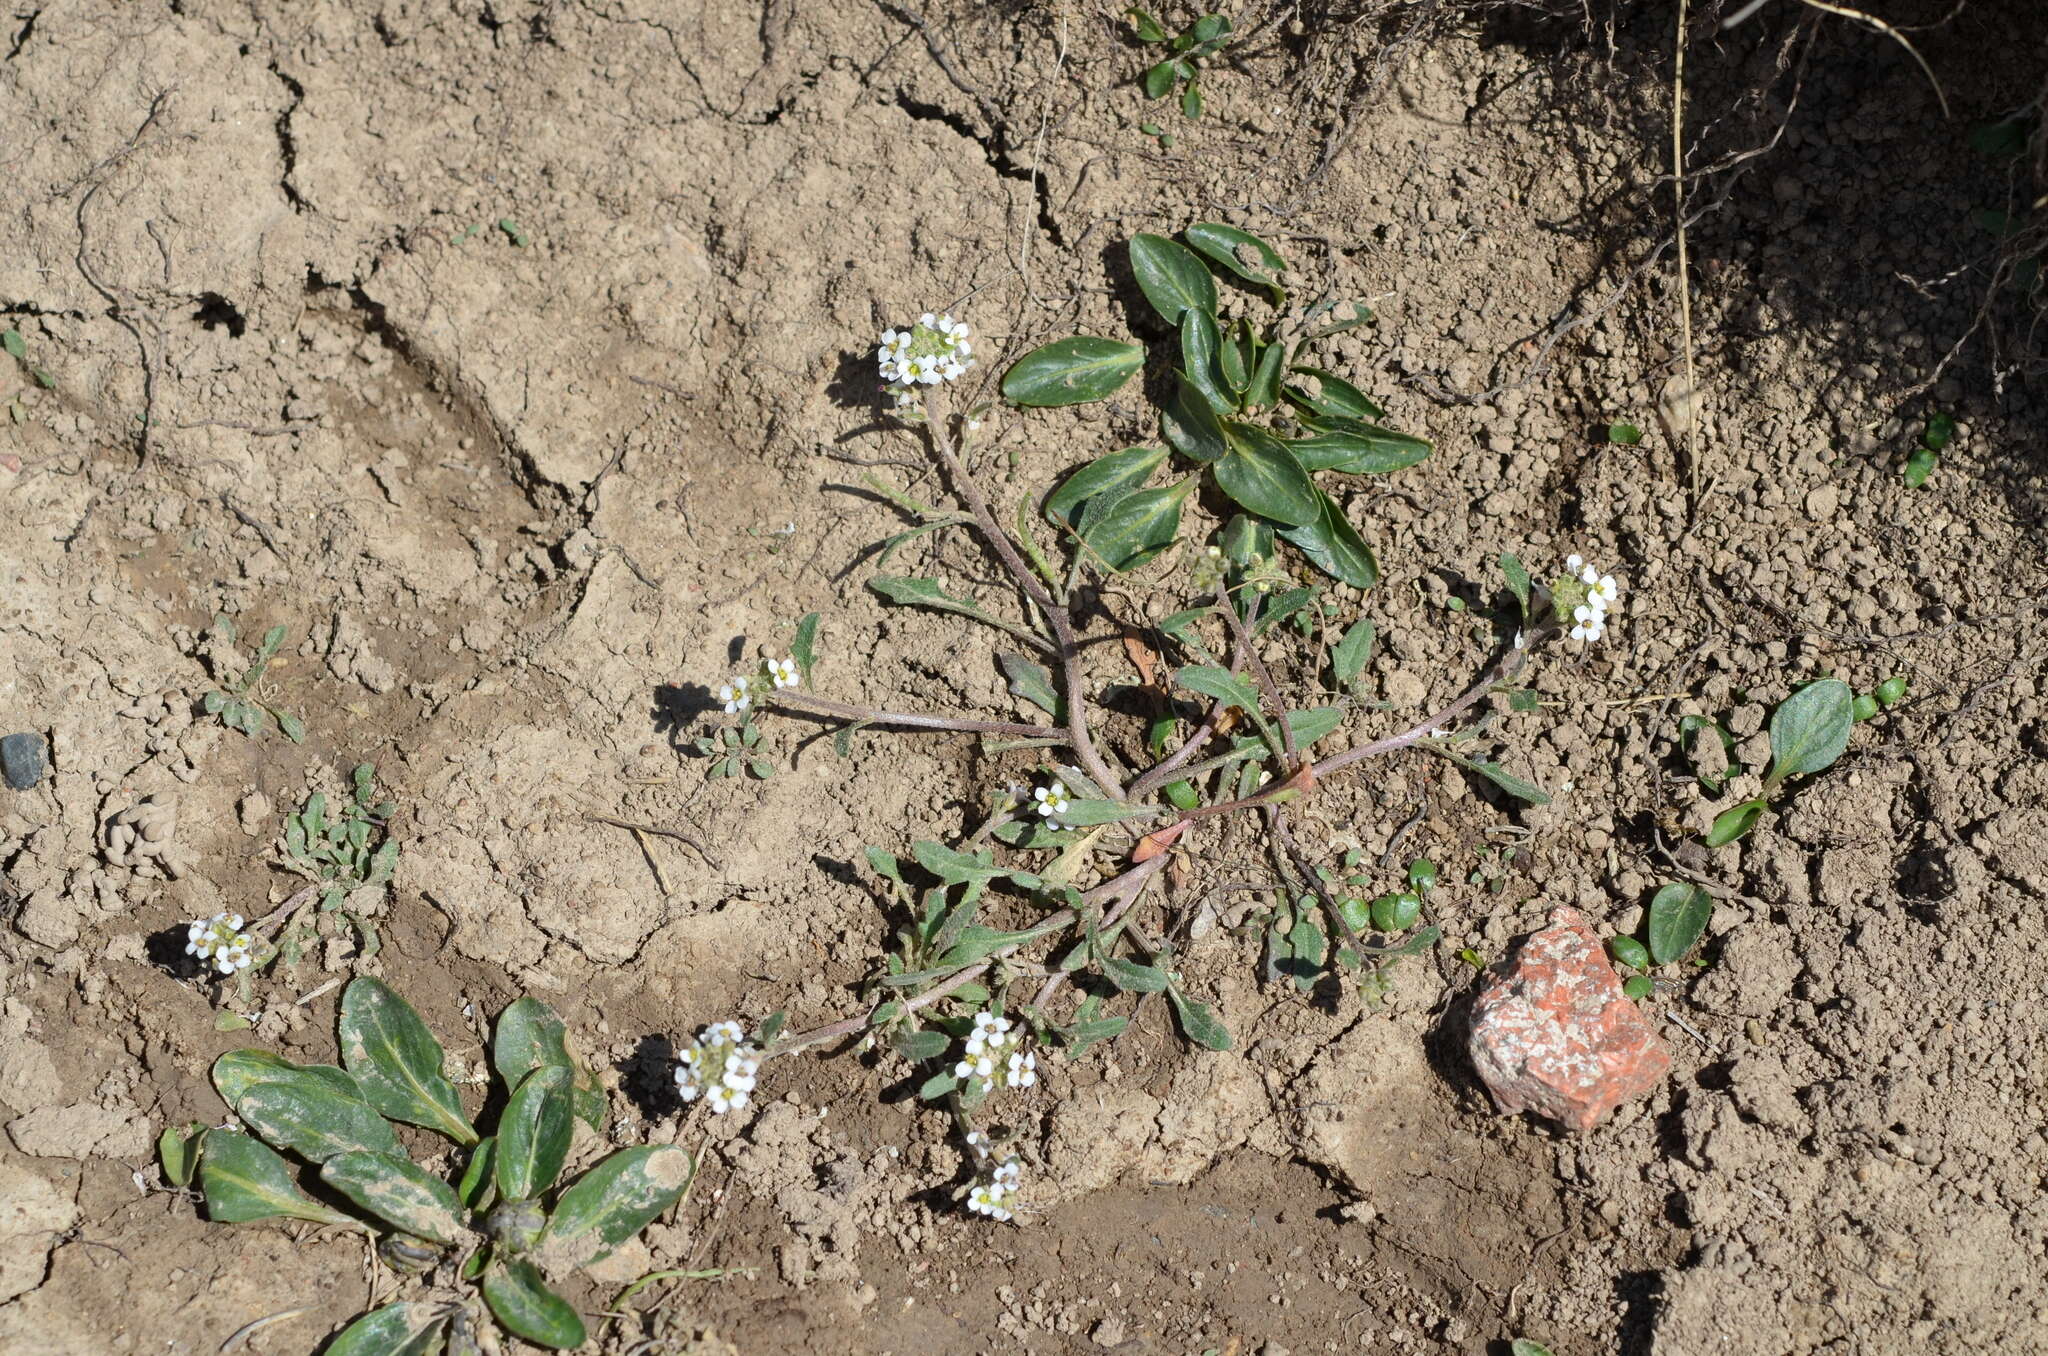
[(344, 849), (1679, 913), (1924, 458), (237, 704), (467, 1246), (1189, 49), (1809, 731), (16, 347)]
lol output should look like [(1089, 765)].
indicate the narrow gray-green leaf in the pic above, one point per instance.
[(1219, 684), (1189, 422), (1138, 527), (1678, 915), (1132, 977), (977, 943), (397, 1061), (533, 1134), (804, 648), (1353, 652), (1262, 475), (398, 1191), (1113, 471), (1072, 371), (407, 1328), (1499, 776), (1810, 729), (314, 1121), (243, 1180), (1334, 398), (1172, 279), (524, 1304), (1518, 580), (1735, 821), (1241, 252), (1082, 813), (616, 1200), (1333, 545), (1354, 447), (1081, 1035), (1198, 1021), (1032, 682), (927, 593)]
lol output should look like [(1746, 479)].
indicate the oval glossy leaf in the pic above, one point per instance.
[(478, 1179), (1246, 539), (1072, 371), (524, 1304), (1262, 475), (529, 1034), (616, 1200), (1630, 952), (1334, 398), (1735, 821), (533, 1134), (397, 1061), (1200, 345), (244, 1179), (1219, 684), (1234, 360), (1357, 448), (1678, 915), (1810, 729), (403, 1329), (1264, 387), (235, 1072), (1241, 252), (1138, 527), (315, 1122), (1189, 422), (1159, 79), (1107, 474), (1333, 546), (1172, 279), (398, 1191)]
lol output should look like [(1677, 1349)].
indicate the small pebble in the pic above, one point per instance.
[(23, 760)]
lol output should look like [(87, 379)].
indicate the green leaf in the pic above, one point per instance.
[(1147, 27), (1499, 776), (11, 341), (1735, 821), (1920, 464), (1361, 314), (916, 1046), (1353, 652), (1233, 360), (1171, 278), (529, 1035), (533, 1134), (927, 593), (1159, 79), (1518, 581), (1108, 474), (178, 1151), (528, 1309), (1638, 987), (1188, 421), (1333, 546), (213, 702), (1139, 527), (397, 1061), (1810, 729), (1191, 100), (1262, 475), (1200, 347), (804, 648), (1309, 725), (477, 1178), (1625, 435), (294, 729), (884, 864), (1357, 448), (1219, 684), (1941, 426), (1084, 813), (1246, 539), (1241, 252), (953, 866), (1523, 1346), (1335, 398), (1630, 952), (397, 1191), (977, 943), (243, 1180), (312, 1120), (615, 1200), (407, 1328), (1264, 387), (937, 1086), (1081, 1035), (1198, 1022), (1132, 977), (1032, 682), (237, 1071), (1678, 915), (1072, 371)]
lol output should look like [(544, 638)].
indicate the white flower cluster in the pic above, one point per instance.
[(933, 350), (995, 1051), (737, 694), (784, 673), (718, 1066), (997, 1196), (1052, 803), (1589, 619), (220, 940)]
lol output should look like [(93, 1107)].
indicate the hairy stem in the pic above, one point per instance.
[(1242, 632), (805, 704), (1158, 773)]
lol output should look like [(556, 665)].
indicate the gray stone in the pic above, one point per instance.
[(23, 760)]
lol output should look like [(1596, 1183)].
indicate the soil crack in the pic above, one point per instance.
[(999, 159)]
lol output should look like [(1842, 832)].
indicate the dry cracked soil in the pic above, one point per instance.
[(516, 357)]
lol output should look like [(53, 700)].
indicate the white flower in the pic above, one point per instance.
[(996, 1197), (718, 1066), (1052, 803), (933, 350), (221, 941), (784, 673), (1593, 596), (1023, 1070), (735, 695), (977, 1141)]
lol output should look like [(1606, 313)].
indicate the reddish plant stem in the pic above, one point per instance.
[(1261, 673), (806, 704), (1159, 772)]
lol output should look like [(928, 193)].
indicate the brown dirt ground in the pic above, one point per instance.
[(520, 503)]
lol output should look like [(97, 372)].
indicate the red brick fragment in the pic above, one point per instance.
[(1553, 1033)]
